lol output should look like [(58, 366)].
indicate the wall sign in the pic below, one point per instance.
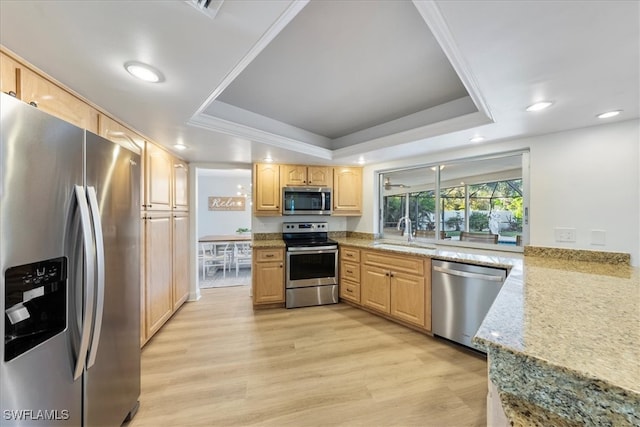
[(223, 203)]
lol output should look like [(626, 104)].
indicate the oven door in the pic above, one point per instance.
[(312, 266)]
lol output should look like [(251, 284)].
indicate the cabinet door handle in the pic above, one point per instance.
[(391, 274), (386, 274), (268, 256), (34, 104), (350, 271), (280, 265), (349, 290), (12, 93)]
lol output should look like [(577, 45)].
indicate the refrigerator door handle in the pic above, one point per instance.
[(99, 241), (89, 280)]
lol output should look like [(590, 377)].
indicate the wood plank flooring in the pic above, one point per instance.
[(220, 363)]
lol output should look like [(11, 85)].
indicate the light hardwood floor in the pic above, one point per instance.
[(220, 363)]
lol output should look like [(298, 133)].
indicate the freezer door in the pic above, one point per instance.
[(40, 162), (113, 368)]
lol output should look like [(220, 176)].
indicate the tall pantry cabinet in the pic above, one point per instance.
[(165, 216), (164, 194)]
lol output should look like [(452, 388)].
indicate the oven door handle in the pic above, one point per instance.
[(314, 249)]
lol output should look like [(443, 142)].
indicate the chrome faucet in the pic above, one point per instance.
[(407, 229)]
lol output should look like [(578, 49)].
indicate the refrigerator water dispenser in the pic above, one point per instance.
[(35, 304)]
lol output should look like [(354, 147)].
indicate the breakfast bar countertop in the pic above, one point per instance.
[(563, 340)]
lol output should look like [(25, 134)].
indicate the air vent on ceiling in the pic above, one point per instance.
[(208, 7)]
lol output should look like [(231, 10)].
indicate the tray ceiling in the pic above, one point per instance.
[(342, 67)]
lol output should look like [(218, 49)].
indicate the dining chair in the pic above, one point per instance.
[(241, 255), (430, 234), (479, 237), (214, 256)]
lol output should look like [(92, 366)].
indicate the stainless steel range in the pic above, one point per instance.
[(311, 265)]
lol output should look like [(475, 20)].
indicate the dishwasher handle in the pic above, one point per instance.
[(468, 274)]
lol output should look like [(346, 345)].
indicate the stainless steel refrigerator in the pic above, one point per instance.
[(69, 273)]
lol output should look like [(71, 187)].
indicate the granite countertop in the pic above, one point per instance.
[(267, 244), (448, 253), (563, 339)]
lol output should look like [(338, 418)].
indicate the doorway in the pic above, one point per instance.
[(223, 227)]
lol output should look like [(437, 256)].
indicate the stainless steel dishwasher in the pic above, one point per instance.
[(461, 297)]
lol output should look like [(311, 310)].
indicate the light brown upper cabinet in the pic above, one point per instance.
[(180, 185), (9, 76), (120, 134), (158, 176), (56, 101), (297, 176), (347, 191), (266, 189)]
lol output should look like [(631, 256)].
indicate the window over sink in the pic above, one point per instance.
[(459, 201)]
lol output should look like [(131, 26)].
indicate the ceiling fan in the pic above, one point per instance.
[(388, 185)]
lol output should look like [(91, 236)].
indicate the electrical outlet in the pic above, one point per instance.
[(598, 237), (564, 234)]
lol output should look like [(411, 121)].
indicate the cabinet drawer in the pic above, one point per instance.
[(350, 291), (264, 255), (350, 254), (350, 271), (382, 259)]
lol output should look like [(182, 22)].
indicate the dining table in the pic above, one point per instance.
[(224, 243), (230, 238)]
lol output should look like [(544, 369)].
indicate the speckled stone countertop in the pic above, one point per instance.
[(267, 244), (563, 339), (448, 253)]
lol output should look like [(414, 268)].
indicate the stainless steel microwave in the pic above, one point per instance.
[(306, 201)]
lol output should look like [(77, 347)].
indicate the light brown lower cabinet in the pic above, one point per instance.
[(350, 274), (268, 276), (165, 275), (180, 259), (158, 262), (399, 287)]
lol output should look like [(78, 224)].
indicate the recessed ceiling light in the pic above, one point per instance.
[(360, 161), (268, 159), (609, 114), (539, 106), (143, 71), (180, 147), (477, 138)]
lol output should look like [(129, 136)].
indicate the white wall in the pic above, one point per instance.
[(222, 183), (587, 179)]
